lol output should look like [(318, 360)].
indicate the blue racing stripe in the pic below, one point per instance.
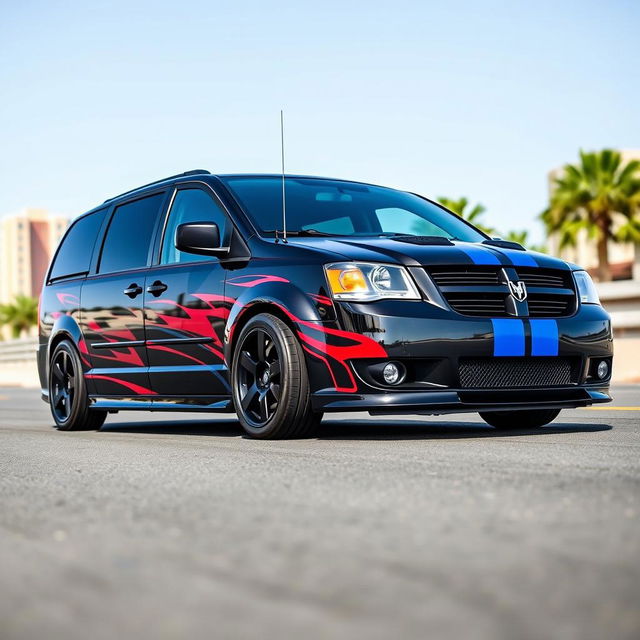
[(544, 337), (508, 337), (520, 258), (479, 255)]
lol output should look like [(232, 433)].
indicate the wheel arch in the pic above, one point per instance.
[(246, 314), (284, 300), (64, 328)]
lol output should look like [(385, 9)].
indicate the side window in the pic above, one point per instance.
[(189, 205), (396, 220), (126, 245), (74, 255)]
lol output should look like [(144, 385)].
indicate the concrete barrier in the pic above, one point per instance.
[(22, 350), (18, 366)]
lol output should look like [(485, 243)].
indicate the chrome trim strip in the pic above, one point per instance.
[(202, 340), (118, 345)]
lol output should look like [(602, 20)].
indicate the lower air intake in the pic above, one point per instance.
[(500, 373)]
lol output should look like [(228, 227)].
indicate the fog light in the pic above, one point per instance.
[(603, 369), (393, 373)]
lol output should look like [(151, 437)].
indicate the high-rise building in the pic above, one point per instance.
[(28, 239)]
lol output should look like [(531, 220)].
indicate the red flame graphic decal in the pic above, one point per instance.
[(161, 347), (136, 388), (198, 321), (321, 299), (253, 280), (321, 348), (68, 299)]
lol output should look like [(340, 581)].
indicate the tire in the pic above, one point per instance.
[(270, 384), (519, 419), (68, 398)]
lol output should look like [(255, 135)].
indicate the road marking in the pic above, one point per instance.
[(614, 408)]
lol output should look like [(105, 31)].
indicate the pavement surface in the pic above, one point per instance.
[(174, 526)]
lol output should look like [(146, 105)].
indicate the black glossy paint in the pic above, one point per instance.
[(160, 335)]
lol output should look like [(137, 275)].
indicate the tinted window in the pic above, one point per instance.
[(126, 245), (396, 220), (74, 255), (344, 208), (189, 205), (341, 226)]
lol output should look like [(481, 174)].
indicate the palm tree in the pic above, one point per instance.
[(601, 194), (522, 237), (459, 207), (20, 315)]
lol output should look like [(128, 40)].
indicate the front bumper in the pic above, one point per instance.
[(460, 400), (434, 344)]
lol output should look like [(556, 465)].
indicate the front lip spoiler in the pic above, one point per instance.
[(460, 400)]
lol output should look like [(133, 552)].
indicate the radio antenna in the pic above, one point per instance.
[(284, 199)]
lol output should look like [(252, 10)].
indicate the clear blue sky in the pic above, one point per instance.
[(445, 98)]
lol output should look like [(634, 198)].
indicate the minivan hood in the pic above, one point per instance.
[(384, 249)]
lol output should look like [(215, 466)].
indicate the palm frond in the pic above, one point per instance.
[(591, 195)]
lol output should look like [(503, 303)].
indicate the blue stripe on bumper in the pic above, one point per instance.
[(544, 337), (508, 337)]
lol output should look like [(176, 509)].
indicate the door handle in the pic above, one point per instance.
[(133, 290), (157, 288)]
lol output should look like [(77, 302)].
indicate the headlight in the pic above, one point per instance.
[(586, 289), (365, 281)]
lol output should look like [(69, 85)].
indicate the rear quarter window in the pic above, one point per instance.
[(128, 238), (74, 255)]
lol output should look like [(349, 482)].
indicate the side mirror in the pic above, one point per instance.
[(201, 238)]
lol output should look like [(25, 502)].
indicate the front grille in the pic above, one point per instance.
[(501, 373), (553, 278), (549, 306), (483, 291), (454, 277), (478, 304)]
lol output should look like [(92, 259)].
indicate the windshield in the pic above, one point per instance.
[(330, 207)]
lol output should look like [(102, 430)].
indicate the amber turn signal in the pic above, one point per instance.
[(346, 280)]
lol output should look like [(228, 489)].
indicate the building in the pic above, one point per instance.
[(620, 298), (623, 257), (28, 239)]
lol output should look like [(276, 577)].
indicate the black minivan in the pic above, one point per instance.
[(188, 294)]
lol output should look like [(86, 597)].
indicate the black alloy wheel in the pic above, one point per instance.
[(63, 378), (259, 377), (68, 398), (269, 381)]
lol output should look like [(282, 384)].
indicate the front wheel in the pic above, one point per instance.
[(519, 419), (68, 397), (269, 379)]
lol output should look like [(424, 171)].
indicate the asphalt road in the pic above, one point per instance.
[(176, 526)]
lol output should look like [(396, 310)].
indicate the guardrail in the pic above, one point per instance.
[(22, 350)]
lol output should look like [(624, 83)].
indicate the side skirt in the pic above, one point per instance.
[(221, 404)]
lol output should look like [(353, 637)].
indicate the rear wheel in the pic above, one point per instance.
[(270, 383), (68, 396), (519, 419)]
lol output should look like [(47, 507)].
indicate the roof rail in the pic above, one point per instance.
[(193, 172)]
